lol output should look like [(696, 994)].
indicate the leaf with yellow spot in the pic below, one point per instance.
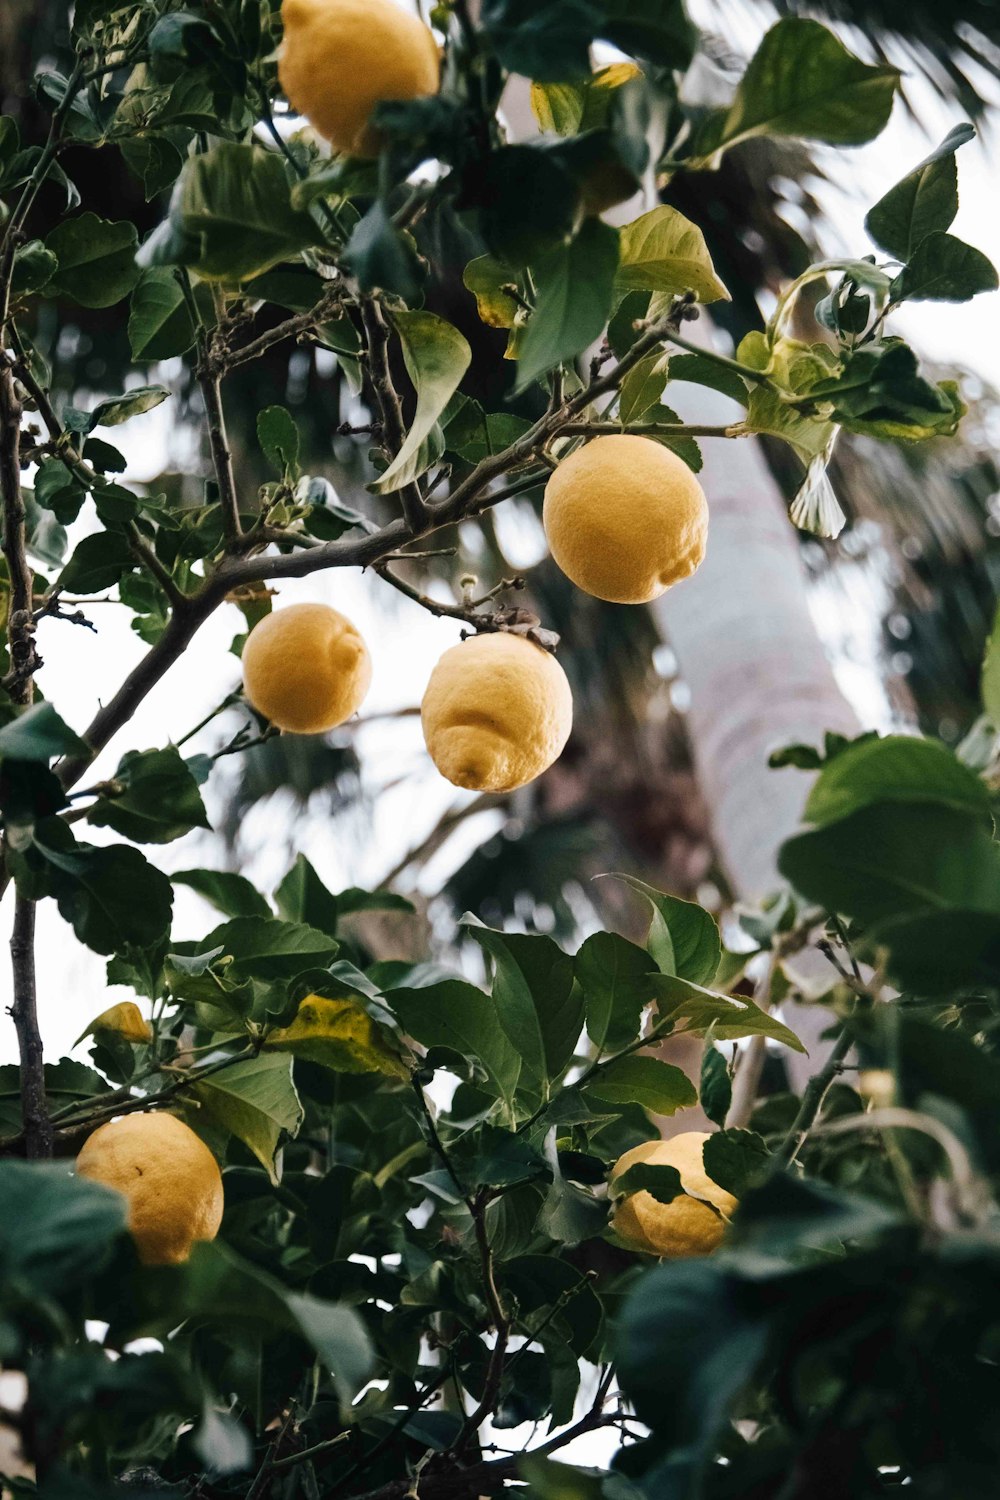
[(125, 1020), (337, 1034)]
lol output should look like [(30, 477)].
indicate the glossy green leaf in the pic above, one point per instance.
[(436, 357), (458, 1016), (664, 252), (802, 81), (898, 768), (617, 985), (683, 937), (944, 269), (658, 1086), (96, 259), (39, 734), (228, 892), (256, 1101), (159, 799), (925, 200), (894, 858)]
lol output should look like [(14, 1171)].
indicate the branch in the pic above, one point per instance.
[(465, 612), (389, 405), (20, 622), (24, 1014), (225, 359), (813, 1099), (222, 459)]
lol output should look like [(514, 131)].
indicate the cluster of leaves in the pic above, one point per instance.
[(378, 1249)]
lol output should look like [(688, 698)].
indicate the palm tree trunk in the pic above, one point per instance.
[(748, 649)]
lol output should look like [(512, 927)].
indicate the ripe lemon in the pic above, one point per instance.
[(306, 668), (625, 518), (685, 1226), (342, 57), (497, 712), (169, 1177)]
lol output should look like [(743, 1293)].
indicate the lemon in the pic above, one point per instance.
[(306, 668), (685, 1226), (169, 1177), (497, 712), (625, 518), (342, 57)]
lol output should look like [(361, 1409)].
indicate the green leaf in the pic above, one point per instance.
[(266, 948), (735, 1159), (118, 409), (56, 1229), (683, 938), (663, 252), (641, 390), (256, 1101), (990, 676), (802, 81), (550, 43), (538, 1005), (279, 440), (98, 562), (111, 896), (658, 31), (699, 370), (898, 768), (436, 356), (715, 1090), (230, 216), (569, 108), (382, 258), (458, 1016), (302, 897), (39, 734), (575, 290), (341, 1340), (662, 1182), (925, 200), (617, 986), (658, 1086), (944, 269), (159, 799), (727, 1017), (96, 260), (770, 415), (229, 893), (896, 858), (57, 490), (34, 267), (160, 325)]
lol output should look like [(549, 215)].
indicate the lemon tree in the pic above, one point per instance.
[(311, 1222)]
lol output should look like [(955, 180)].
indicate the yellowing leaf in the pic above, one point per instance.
[(663, 252), (485, 278), (337, 1034), (570, 108), (436, 356), (125, 1020)]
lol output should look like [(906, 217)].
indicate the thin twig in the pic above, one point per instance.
[(389, 405)]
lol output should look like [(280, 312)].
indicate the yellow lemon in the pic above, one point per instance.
[(306, 668), (625, 518), (497, 712), (685, 1226), (169, 1177), (125, 1020), (342, 57)]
